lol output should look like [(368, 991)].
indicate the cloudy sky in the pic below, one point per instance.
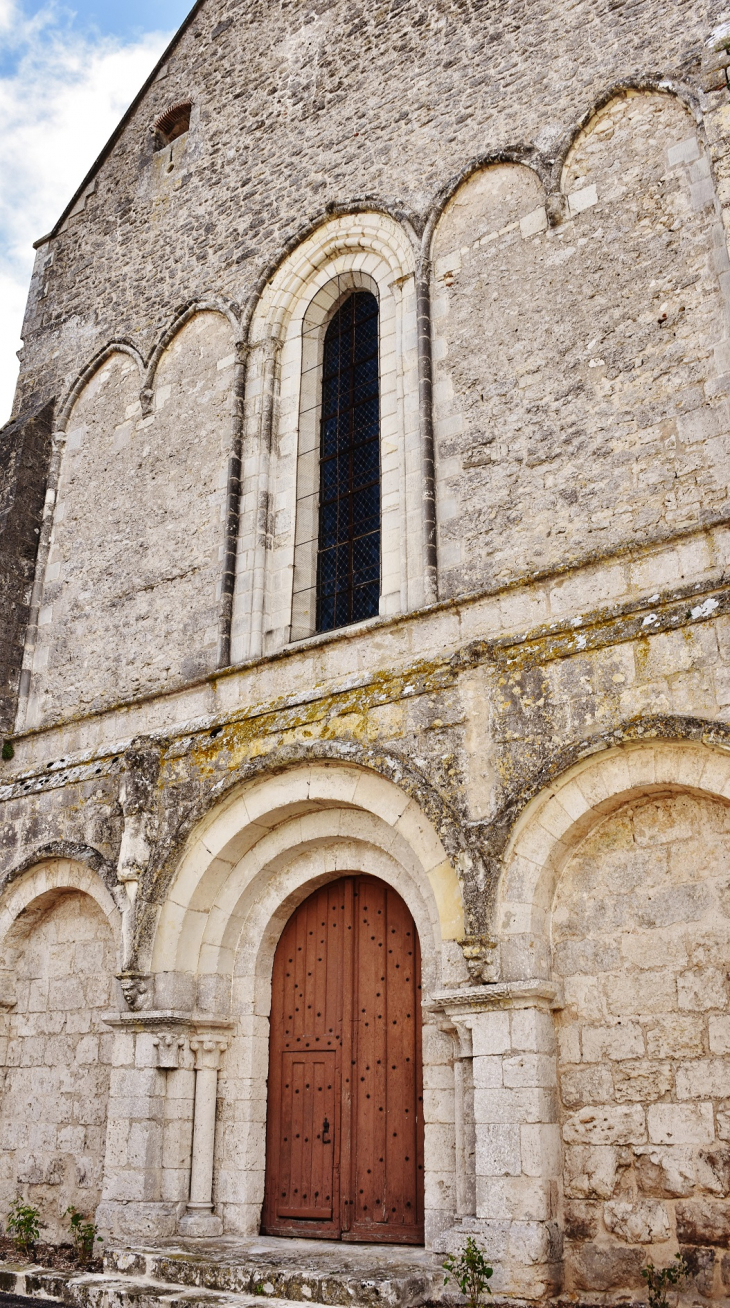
[(67, 73)]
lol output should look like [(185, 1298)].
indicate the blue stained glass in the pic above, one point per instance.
[(365, 602), (366, 420), (364, 307), (366, 511), (328, 520), (348, 564), (365, 464), (330, 431)]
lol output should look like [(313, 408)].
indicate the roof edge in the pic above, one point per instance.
[(43, 240)]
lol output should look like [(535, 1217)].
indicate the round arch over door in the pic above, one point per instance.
[(344, 1156)]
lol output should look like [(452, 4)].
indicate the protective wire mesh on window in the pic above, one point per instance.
[(348, 557)]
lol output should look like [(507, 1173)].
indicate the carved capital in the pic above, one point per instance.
[(208, 1050), (169, 1048)]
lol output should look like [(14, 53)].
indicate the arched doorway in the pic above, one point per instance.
[(344, 1155)]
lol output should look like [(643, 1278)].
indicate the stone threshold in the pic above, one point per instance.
[(231, 1272), (298, 1270)]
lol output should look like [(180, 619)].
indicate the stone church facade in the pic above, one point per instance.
[(460, 639)]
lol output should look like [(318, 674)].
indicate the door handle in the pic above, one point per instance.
[(325, 1132)]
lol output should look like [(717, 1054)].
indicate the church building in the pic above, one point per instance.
[(365, 685)]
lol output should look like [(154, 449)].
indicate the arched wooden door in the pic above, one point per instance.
[(344, 1153)]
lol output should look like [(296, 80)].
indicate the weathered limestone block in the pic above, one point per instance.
[(581, 1085), (701, 1266), (703, 1221), (713, 1170), (681, 1123), (665, 1171), (645, 1222), (606, 1125), (580, 1220), (701, 989), (719, 1034), (624, 1040), (590, 1171), (640, 1081), (673, 1037), (703, 1077), (599, 1268)]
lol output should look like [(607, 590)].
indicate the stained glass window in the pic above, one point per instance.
[(348, 556)]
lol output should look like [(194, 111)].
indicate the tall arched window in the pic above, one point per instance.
[(348, 554)]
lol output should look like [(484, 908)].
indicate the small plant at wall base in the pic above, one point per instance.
[(8, 751), (23, 1226), (659, 1279), (471, 1272), (83, 1234)]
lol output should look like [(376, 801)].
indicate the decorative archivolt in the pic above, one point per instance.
[(619, 91), (271, 840), (89, 372), (368, 241), (208, 304)]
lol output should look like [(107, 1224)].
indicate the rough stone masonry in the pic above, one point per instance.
[(530, 743)]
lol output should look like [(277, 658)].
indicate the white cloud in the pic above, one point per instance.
[(58, 105), (7, 14)]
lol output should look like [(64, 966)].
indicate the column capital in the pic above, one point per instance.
[(208, 1049)]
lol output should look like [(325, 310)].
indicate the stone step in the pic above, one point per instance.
[(21, 1280), (103, 1291), (301, 1271), (35, 1285)]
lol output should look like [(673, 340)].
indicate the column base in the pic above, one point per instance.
[(200, 1223), (130, 1220)]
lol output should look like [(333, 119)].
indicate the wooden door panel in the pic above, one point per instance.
[(307, 1004), (388, 1125), (306, 1158), (346, 1048), (370, 1059)]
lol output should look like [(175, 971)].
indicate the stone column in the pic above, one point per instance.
[(517, 1152), (199, 1220), (464, 1122), (269, 381)]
